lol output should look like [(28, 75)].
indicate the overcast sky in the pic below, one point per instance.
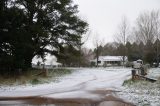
[(104, 16)]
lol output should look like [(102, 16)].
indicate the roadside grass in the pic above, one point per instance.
[(128, 82), (140, 83), (142, 93), (131, 82), (35, 76)]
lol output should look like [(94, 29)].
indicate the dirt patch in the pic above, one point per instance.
[(80, 102), (97, 90)]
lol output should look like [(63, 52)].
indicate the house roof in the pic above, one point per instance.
[(50, 60), (111, 58)]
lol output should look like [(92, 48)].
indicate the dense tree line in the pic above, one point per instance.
[(73, 57), (36, 27), (147, 52), (142, 41)]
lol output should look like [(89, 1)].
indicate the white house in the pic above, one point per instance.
[(50, 62), (110, 61)]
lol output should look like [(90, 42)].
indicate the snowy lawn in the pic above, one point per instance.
[(33, 78), (143, 93), (79, 84)]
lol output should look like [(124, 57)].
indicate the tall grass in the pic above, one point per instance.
[(34, 77)]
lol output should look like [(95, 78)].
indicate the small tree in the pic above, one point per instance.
[(80, 44), (97, 43), (122, 35)]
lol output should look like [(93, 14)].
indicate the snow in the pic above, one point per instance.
[(79, 84), (84, 83), (154, 73), (111, 58), (143, 93), (49, 60)]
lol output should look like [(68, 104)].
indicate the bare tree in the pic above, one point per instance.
[(82, 43), (97, 43), (156, 16), (122, 35), (123, 31), (147, 27)]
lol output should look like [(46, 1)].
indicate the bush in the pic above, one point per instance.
[(35, 81), (128, 82), (129, 64)]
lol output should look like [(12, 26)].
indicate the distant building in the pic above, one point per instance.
[(137, 64), (109, 61), (50, 62)]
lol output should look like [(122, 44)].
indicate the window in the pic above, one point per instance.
[(99, 61)]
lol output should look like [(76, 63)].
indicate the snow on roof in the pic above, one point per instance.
[(139, 60), (50, 60), (111, 58)]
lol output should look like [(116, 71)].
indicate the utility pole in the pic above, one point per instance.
[(157, 51)]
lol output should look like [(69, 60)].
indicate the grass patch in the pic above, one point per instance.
[(59, 72), (141, 92), (35, 77), (35, 81), (128, 82)]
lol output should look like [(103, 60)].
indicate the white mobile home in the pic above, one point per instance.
[(110, 60), (50, 62)]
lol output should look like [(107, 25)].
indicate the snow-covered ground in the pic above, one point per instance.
[(79, 84), (89, 83), (143, 93), (154, 73)]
